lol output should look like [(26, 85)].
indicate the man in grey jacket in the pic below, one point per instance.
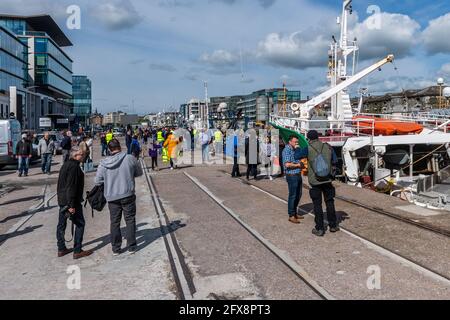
[(117, 173), (46, 149)]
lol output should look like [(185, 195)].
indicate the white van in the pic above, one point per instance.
[(10, 135)]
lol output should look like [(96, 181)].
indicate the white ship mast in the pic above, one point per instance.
[(338, 63)]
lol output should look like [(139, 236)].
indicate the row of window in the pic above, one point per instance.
[(4, 111), (44, 45), (81, 110), (46, 77), (7, 80), (12, 65), (12, 45), (16, 26), (44, 61)]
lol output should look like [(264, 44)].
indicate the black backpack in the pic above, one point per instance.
[(96, 198)]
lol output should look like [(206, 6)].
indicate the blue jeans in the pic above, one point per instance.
[(47, 162), (205, 152), (78, 221), (23, 165), (295, 184), (104, 149)]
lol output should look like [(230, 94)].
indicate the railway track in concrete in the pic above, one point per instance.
[(395, 255), (183, 279)]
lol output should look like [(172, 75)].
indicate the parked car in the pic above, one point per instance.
[(10, 135), (118, 132)]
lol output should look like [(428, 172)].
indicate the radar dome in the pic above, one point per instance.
[(223, 107), (446, 92)]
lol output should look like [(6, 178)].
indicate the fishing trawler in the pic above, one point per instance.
[(396, 153)]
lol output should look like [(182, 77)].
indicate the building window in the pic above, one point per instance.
[(42, 107)]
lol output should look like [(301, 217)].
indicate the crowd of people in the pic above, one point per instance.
[(117, 171)]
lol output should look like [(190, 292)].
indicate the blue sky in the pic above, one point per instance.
[(159, 52)]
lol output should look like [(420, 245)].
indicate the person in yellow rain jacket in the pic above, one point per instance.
[(171, 145)]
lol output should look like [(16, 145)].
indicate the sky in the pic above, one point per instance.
[(147, 56)]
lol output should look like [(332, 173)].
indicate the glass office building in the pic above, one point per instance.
[(13, 61), (50, 68), (53, 68), (257, 106), (82, 97)]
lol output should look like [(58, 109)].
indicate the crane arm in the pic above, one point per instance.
[(311, 104)]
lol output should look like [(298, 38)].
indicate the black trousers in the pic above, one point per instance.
[(236, 172), (252, 170), (154, 163), (79, 222), (329, 192), (127, 206)]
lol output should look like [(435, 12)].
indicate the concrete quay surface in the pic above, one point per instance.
[(224, 261)]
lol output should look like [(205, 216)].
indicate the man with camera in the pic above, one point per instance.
[(70, 198)]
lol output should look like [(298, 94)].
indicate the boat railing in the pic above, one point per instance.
[(428, 120), (330, 130)]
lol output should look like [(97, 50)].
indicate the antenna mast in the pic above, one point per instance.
[(338, 60)]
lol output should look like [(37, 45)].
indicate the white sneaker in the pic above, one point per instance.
[(270, 178)]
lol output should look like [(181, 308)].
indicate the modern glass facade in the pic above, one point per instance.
[(82, 97), (258, 105), (16, 26), (53, 67), (50, 69), (13, 61)]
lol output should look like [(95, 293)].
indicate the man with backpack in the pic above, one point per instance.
[(117, 175), (321, 162)]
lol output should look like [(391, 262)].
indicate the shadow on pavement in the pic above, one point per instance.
[(144, 237), (40, 197), (4, 237), (26, 213)]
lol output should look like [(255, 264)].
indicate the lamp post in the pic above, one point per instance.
[(440, 83)]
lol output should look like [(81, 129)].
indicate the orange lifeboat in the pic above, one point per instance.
[(385, 127)]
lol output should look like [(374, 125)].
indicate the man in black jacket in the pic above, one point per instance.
[(70, 197), (251, 153), (24, 151), (66, 145)]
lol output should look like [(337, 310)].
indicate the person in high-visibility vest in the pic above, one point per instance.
[(160, 139), (218, 137), (109, 137)]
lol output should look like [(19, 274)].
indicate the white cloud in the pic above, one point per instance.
[(117, 14), (445, 70), (299, 50), (435, 36), (220, 58), (397, 34), (308, 48)]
